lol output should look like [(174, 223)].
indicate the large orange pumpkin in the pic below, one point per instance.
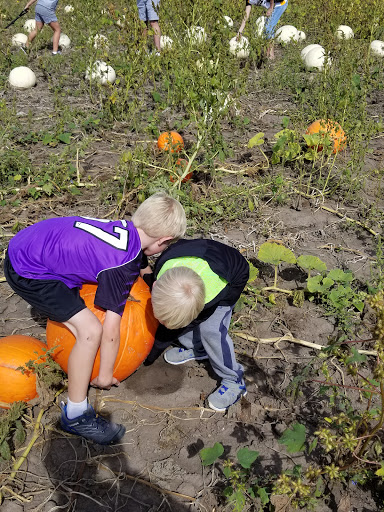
[(170, 141), (330, 128), (15, 351), (137, 332)]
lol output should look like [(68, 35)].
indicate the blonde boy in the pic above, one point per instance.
[(47, 264), (197, 283)]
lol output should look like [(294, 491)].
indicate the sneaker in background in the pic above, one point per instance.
[(92, 426), (183, 355)]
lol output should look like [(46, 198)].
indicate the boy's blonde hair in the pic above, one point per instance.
[(178, 296), (161, 215)]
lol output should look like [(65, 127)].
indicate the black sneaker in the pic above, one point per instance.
[(92, 426)]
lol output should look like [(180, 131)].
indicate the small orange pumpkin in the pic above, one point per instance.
[(181, 162), (137, 332), (330, 128), (15, 351), (170, 141)]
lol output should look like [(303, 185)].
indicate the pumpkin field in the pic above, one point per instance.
[(282, 159)]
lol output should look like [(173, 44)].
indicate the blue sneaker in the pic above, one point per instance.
[(226, 395), (182, 355), (92, 426)]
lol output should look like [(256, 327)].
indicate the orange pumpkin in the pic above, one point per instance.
[(137, 332), (170, 141), (332, 129), (181, 162), (15, 351)]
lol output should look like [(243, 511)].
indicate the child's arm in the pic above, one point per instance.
[(147, 275), (245, 19), (28, 5), (271, 7), (109, 347)]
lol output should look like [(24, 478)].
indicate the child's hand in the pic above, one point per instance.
[(269, 12), (104, 383)]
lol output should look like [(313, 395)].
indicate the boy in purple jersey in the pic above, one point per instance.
[(47, 264)]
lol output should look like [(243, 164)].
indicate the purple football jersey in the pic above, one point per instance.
[(78, 250)]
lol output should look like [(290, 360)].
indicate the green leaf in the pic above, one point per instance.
[(309, 262), (294, 438), (253, 272), (64, 137), (251, 205), (209, 455), (227, 471), (263, 495), (380, 472), (257, 140), (5, 451), (228, 491), (356, 357), (270, 252), (327, 283), (314, 284), (156, 96), (239, 500), (246, 457), (47, 187), (48, 139), (359, 305), (285, 122), (312, 446), (340, 277)]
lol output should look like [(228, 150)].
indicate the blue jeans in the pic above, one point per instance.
[(274, 18)]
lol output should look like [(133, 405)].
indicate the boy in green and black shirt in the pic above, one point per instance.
[(197, 283)]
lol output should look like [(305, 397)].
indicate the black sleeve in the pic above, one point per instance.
[(114, 286), (144, 262)]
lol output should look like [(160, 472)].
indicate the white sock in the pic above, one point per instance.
[(75, 409)]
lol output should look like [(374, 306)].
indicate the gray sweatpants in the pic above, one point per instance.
[(211, 337)]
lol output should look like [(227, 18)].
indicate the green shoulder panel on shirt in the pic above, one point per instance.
[(213, 283)]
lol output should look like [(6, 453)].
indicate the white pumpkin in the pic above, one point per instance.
[(165, 42), (228, 21), (239, 48), (101, 72), (344, 32), (308, 48), (287, 33), (22, 78), (377, 48), (64, 41), (301, 35), (316, 59), (29, 25), (68, 9), (260, 25), (197, 35), (19, 39), (99, 41)]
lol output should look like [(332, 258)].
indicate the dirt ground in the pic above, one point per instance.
[(157, 466)]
